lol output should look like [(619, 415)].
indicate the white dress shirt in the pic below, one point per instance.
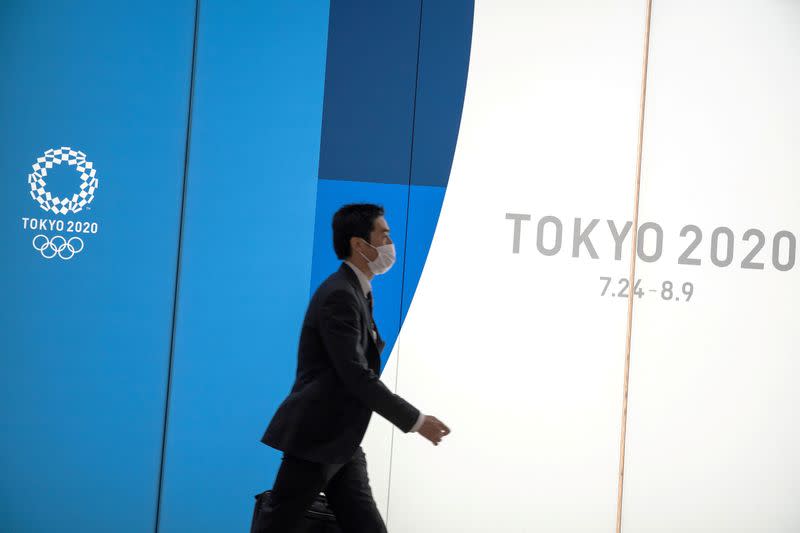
[(366, 287)]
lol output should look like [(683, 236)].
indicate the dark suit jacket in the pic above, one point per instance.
[(337, 385)]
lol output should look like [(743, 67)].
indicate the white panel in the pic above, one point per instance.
[(713, 434), (519, 353)]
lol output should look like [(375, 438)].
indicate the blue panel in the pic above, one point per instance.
[(331, 195), (422, 219), (86, 339), (369, 120), (246, 253), (444, 58), (369, 90), (443, 62)]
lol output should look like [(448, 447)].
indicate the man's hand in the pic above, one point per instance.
[(433, 429)]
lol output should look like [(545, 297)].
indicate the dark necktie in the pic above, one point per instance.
[(372, 320)]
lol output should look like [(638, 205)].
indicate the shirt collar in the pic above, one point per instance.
[(366, 286)]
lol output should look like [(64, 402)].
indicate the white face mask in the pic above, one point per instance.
[(384, 261)]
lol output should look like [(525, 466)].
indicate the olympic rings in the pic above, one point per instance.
[(49, 248)]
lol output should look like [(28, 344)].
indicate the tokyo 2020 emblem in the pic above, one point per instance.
[(60, 246)]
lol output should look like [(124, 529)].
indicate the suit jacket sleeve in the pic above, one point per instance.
[(340, 329)]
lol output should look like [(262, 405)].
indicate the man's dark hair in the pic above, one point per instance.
[(353, 220)]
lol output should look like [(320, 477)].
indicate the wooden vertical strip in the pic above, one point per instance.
[(632, 276)]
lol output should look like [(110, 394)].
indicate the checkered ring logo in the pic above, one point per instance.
[(80, 199)]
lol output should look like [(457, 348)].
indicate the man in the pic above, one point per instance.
[(320, 424)]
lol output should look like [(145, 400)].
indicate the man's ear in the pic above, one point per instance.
[(353, 248)]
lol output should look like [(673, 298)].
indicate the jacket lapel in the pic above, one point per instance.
[(377, 345)]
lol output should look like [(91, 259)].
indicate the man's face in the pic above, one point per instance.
[(380, 233), (379, 236)]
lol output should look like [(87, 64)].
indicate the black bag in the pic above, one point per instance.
[(318, 518)]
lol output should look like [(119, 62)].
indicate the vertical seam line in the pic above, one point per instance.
[(405, 245), (178, 265)]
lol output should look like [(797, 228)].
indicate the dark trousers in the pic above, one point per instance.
[(346, 486)]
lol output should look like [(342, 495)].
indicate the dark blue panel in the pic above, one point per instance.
[(246, 253), (369, 90), (86, 339), (444, 59), (331, 195)]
